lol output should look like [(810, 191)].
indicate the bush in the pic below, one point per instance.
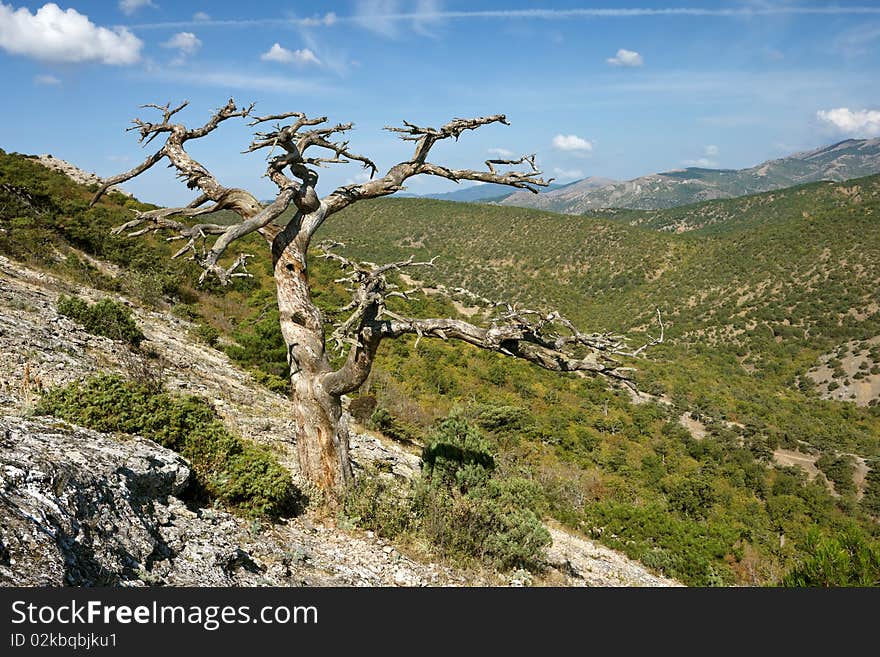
[(383, 420), (467, 510), (206, 333), (848, 559), (245, 477), (839, 469), (271, 381), (459, 504), (106, 317)]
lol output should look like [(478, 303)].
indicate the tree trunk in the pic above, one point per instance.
[(321, 438), (321, 431)]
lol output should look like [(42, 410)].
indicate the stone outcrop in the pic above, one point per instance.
[(73, 172), (83, 508)]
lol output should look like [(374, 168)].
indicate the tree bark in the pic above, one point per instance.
[(321, 430)]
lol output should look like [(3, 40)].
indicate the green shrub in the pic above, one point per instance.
[(245, 477), (848, 559), (871, 501), (467, 510), (839, 469), (206, 333), (382, 504), (383, 420), (273, 382), (459, 505), (106, 317)]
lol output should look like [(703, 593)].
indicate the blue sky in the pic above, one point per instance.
[(614, 89)]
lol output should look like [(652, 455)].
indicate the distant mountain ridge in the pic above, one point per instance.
[(851, 158), (485, 192)]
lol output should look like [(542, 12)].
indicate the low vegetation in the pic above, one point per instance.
[(238, 474), (105, 317), (461, 505)]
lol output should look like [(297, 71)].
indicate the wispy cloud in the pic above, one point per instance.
[(356, 179), (709, 152), (46, 80), (201, 16), (500, 152), (327, 20), (52, 34), (567, 174), (384, 17), (572, 144), (861, 123), (185, 43), (236, 80), (701, 162), (280, 54), (626, 57), (381, 15), (129, 7), (858, 41)]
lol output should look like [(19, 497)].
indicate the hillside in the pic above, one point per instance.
[(848, 159), (729, 468), (85, 507)]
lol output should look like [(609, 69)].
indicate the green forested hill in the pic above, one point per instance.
[(749, 307)]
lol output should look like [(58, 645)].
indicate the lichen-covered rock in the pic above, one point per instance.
[(78, 506), (82, 508)]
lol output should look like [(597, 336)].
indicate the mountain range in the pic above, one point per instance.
[(846, 159)]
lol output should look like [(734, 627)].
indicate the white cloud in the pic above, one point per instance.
[(705, 162), (701, 162), (46, 80), (52, 34), (626, 57), (328, 20), (201, 16), (568, 174), (501, 152), (128, 7), (572, 143), (358, 178), (384, 16), (186, 43), (853, 122), (280, 54)]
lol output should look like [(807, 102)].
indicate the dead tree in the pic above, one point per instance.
[(297, 145)]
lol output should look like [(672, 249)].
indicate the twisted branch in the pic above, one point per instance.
[(369, 289), (547, 339), (425, 138)]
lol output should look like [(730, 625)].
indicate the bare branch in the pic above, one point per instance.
[(425, 138), (128, 175), (547, 339), (369, 289), (228, 111)]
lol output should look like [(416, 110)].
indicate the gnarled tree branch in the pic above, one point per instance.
[(547, 339), (425, 138)]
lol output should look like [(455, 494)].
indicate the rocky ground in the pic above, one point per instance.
[(74, 172), (78, 507)]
